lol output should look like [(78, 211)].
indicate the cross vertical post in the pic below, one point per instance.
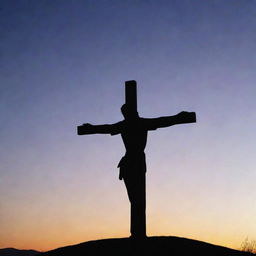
[(131, 95)]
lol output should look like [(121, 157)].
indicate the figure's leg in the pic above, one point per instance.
[(136, 190)]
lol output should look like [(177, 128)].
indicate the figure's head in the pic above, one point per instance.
[(128, 113)]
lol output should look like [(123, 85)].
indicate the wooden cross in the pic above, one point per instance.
[(134, 130)]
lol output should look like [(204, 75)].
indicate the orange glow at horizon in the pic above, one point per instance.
[(71, 223)]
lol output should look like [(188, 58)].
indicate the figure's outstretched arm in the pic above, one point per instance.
[(92, 129), (166, 121)]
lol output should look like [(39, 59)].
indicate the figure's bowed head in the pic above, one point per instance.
[(129, 113)]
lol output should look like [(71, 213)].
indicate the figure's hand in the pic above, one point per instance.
[(85, 129), (187, 117), (87, 125), (183, 114)]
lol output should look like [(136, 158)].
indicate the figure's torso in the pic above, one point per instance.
[(134, 136)]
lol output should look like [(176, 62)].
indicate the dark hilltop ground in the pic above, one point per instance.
[(160, 246), (16, 252)]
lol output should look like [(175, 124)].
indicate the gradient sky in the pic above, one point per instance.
[(64, 63)]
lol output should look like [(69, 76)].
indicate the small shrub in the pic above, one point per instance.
[(248, 246)]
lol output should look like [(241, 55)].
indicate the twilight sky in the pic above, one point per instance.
[(64, 63)]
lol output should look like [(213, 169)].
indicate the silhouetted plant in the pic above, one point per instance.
[(248, 246)]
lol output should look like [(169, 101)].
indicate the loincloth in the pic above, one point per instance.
[(132, 164)]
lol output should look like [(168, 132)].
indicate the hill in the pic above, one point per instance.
[(16, 252), (160, 246)]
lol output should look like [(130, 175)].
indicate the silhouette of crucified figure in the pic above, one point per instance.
[(134, 130)]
